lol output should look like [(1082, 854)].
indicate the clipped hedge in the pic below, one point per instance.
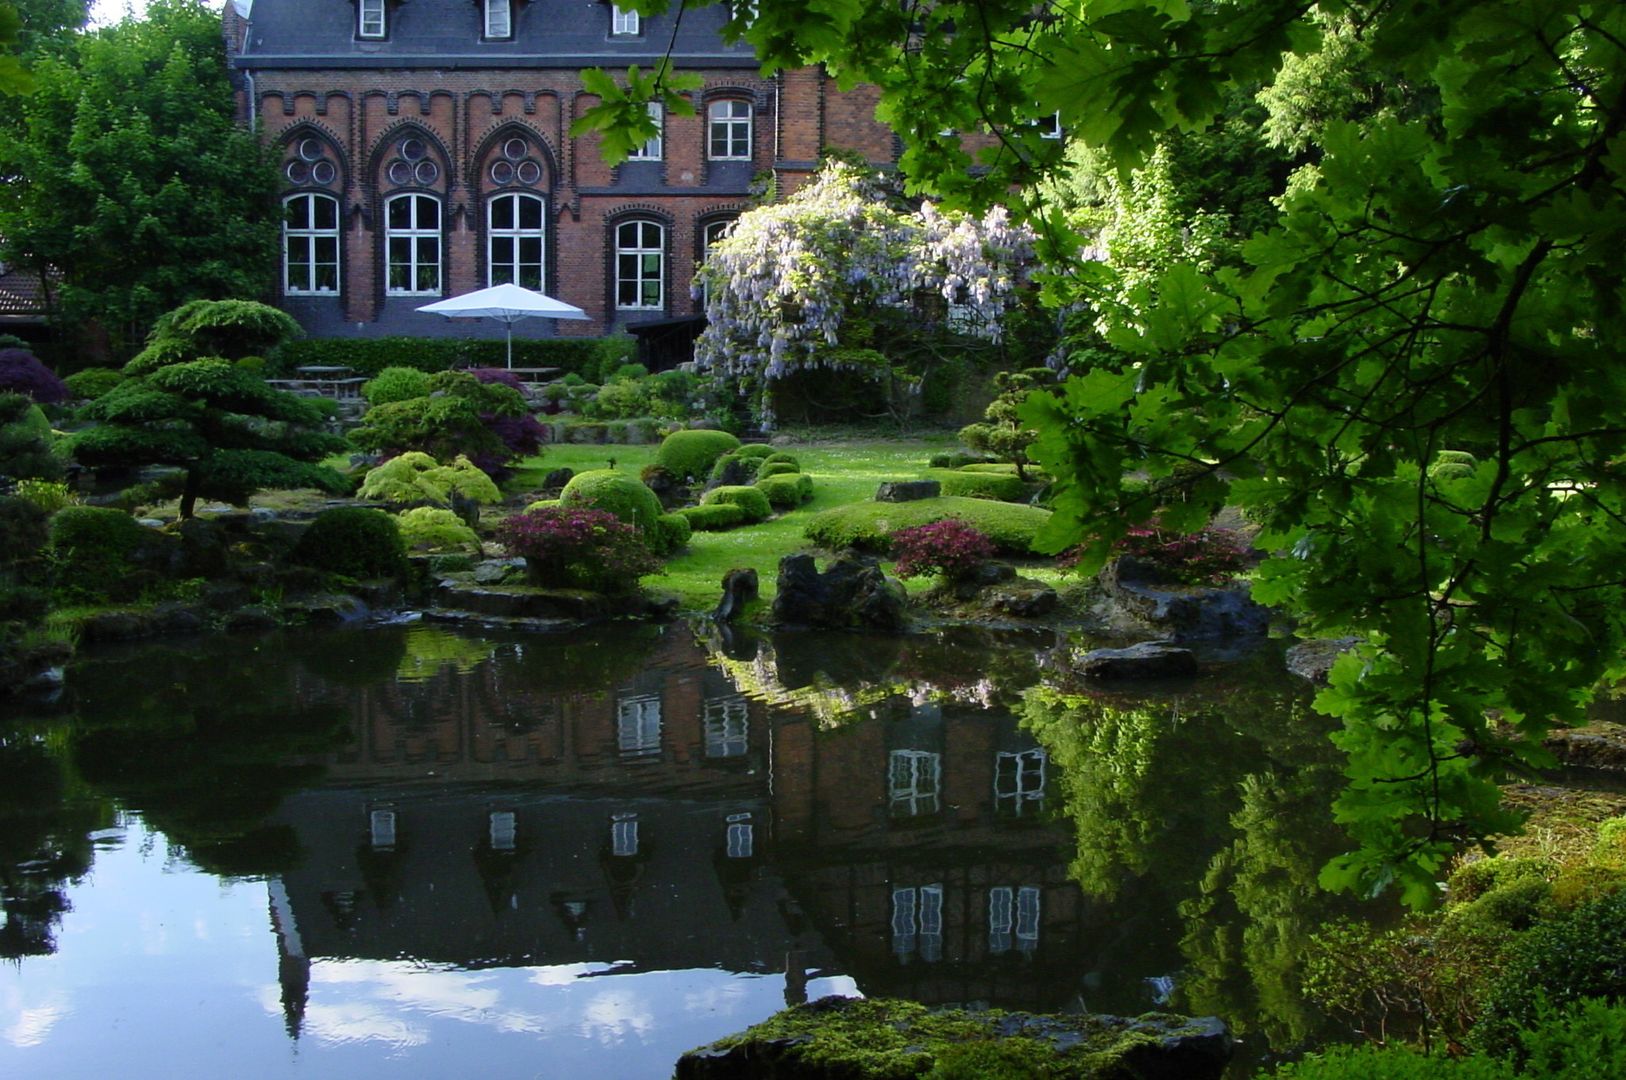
[(781, 458), (713, 518), (776, 468), (751, 500), (356, 541), (396, 384), (868, 526), (371, 356), (91, 548), (671, 532), (956, 461), (787, 491), (622, 494), (92, 383), (692, 453), (731, 468), (980, 485), (755, 450)]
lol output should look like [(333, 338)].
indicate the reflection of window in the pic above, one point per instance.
[(623, 21), (640, 265), (503, 830), (917, 922), (371, 16), (739, 836), (381, 829), (729, 131), (412, 244), (624, 835), (650, 149), (514, 240), (498, 23), (725, 722), (1010, 909), (914, 779), (1019, 780), (310, 244), (638, 725)]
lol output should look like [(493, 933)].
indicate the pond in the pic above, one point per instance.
[(413, 849)]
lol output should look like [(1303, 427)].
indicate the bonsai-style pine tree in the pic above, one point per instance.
[(187, 404), (1002, 433)]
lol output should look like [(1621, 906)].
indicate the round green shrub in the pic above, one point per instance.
[(782, 458), (415, 476), (672, 531), (395, 384), (868, 526), (91, 548), (980, 485), (92, 383), (755, 450), (749, 499), (622, 494), (356, 541), (955, 461), (776, 468), (429, 528), (713, 518), (731, 468), (692, 453), (542, 504), (787, 491)]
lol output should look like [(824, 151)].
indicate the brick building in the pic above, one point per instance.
[(426, 151)]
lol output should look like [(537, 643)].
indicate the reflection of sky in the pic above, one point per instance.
[(166, 971)]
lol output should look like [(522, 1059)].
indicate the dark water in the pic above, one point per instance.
[(418, 851)]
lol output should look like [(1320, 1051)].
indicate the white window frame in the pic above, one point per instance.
[(381, 829), (727, 726), (638, 725), (517, 233), (652, 148), (371, 18), (723, 116), (503, 828), (640, 252), (624, 23), (499, 20), (914, 781), (413, 233), (311, 234)]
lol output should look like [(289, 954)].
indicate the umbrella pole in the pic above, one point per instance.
[(509, 326)]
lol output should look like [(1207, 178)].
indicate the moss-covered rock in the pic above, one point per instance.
[(880, 1039), (869, 526)]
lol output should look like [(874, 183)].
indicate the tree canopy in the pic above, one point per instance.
[(125, 170), (1407, 375)]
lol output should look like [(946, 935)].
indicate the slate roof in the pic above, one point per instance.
[(22, 297), (445, 34)]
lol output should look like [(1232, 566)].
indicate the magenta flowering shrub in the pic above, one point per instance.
[(22, 373), (501, 376), (948, 547), (570, 547), (1206, 557)]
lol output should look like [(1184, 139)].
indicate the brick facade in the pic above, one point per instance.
[(339, 127)]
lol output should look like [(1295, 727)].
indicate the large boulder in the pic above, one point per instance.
[(852, 593), (740, 589), (908, 490), (1313, 659), (1148, 660), (849, 1038), (1136, 597)]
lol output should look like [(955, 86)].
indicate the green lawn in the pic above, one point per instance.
[(843, 472)]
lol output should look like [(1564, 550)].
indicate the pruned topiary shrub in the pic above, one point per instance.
[(415, 477), (787, 491), (691, 454), (672, 531), (92, 383), (90, 549), (755, 450), (22, 373), (713, 518), (750, 500), (395, 384), (782, 458), (776, 468), (619, 493), (980, 485), (732, 468), (869, 526), (432, 529), (579, 547), (355, 541)]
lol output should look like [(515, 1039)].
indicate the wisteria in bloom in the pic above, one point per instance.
[(781, 284)]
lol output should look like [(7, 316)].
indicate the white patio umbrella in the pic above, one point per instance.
[(508, 304)]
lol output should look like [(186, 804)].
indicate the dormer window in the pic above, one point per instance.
[(623, 23), (370, 18), (499, 19)]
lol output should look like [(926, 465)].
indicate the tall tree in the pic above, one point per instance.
[(1410, 381), (126, 172)]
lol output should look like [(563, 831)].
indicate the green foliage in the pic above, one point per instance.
[(732, 468), (715, 517), (429, 528), (234, 329), (775, 468), (755, 450), (779, 457), (415, 476), (786, 491), (980, 485), (133, 177), (25, 440), (22, 530), (751, 501), (671, 532), (622, 494), (451, 421), (868, 526), (1003, 435), (90, 550), (621, 116), (92, 383), (49, 495), (354, 541), (692, 453), (370, 356), (395, 384)]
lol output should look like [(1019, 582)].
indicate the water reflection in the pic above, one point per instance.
[(435, 815)]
